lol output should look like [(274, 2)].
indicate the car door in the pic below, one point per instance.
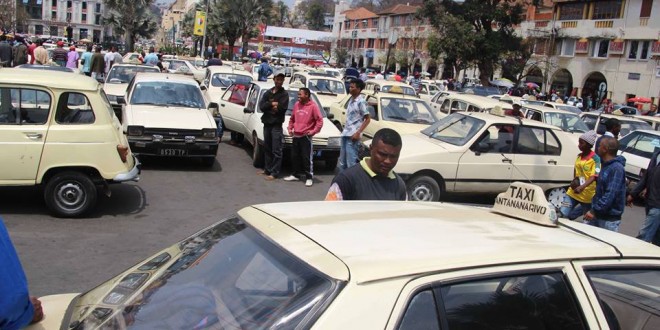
[(523, 296), (376, 121), (24, 120), (231, 105), (538, 158), (252, 115), (491, 151), (637, 148)]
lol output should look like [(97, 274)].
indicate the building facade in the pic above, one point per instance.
[(170, 27), (53, 17)]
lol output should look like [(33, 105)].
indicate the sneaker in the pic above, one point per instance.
[(262, 173), (309, 182), (270, 178), (291, 178)]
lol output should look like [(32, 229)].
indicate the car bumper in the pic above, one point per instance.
[(174, 149), (132, 175)]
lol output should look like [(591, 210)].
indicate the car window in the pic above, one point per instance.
[(629, 298), (23, 106), (226, 79), (252, 99), (628, 126), (496, 139), (534, 115), (537, 141), (372, 107), (406, 90), (236, 94), (456, 129), (74, 108), (124, 74), (458, 106), (567, 122), (640, 144), (162, 93), (590, 121), (406, 110), (421, 313), (445, 106), (327, 86)]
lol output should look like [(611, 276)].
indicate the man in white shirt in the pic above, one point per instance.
[(109, 58)]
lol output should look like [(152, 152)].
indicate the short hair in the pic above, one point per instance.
[(612, 123), (358, 83), (388, 136), (611, 145), (152, 49), (89, 47), (306, 90)]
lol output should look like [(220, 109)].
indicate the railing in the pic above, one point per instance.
[(569, 24), (603, 24), (541, 24), (643, 21)]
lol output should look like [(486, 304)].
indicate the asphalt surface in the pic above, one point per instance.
[(174, 198)]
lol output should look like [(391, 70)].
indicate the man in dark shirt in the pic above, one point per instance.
[(648, 188), (6, 52), (214, 61), (274, 104), (97, 66), (60, 55), (372, 178)]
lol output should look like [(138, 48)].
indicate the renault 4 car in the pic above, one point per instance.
[(373, 86), (382, 265), (117, 80), (61, 134), (466, 102), (327, 87)]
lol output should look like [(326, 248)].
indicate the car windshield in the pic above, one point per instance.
[(327, 86), (406, 89), (227, 276), (565, 121), (456, 129), (226, 79), (407, 110), (628, 126), (167, 94), (569, 108), (124, 74)]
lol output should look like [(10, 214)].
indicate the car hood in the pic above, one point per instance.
[(328, 129), (405, 128), (169, 117), (54, 307), (328, 99), (115, 89)]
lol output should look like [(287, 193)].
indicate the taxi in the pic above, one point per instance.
[(638, 147), (466, 102), (327, 87), (219, 78), (652, 120), (61, 134), (566, 120), (476, 152), (382, 265), (427, 89), (185, 67), (562, 106), (373, 86), (117, 79), (596, 121)]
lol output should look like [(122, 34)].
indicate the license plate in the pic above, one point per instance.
[(173, 152)]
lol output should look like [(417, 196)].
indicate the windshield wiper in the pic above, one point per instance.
[(185, 104)]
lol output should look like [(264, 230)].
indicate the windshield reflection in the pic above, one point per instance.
[(407, 110), (226, 79), (567, 122), (124, 74), (456, 129), (164, 94), (326, 86)]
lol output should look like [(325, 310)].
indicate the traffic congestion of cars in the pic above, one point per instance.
[(416, 264)]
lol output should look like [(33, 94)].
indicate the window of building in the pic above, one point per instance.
[(600, 48), (571, 11), (638, 50), (69, 4), (38, 29), (607, 9), (374, 22), (84, 5), (365, 23), (565, 47), (53, 3), (371, 43), (53, 14), (383, 43), (97, 19), (361, 43), (84, 34), (348, 25), (68, 17), (396, 20), (98, 7), (540, 46), (53, 31), (646, 8), (83, 18), (409, 20)]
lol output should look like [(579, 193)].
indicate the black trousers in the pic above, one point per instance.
[(301, 157), (273, 143)]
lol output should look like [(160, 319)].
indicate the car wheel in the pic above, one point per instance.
[(70, 194), (208, 161), (556, 196), (423, 188), (239, 138), (257, 152)]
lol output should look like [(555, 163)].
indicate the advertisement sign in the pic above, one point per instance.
[(655, 48), (582, 46), (616, 46), (200, 21)]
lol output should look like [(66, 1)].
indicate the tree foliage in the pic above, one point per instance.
[(11, 19), (131, 18), (313, 12)]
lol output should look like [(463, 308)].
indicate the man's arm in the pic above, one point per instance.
[(318, 119), (292, 119), (642, 181), (264, 104), (357, 134), (283, 102), (605, 202), (340, 189)]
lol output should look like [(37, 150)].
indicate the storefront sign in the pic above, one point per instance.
[(582, 46), (616, 47)]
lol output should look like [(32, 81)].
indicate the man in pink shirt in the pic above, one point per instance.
[(305, 122), (31, 49)]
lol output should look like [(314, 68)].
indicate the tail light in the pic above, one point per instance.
[(123, 152)]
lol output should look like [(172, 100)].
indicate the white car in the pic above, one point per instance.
[(166, 115), (116, 82), (566, 120), (596, 121), (476, 152), (186, 68), (638, 147), (327, 88), (453, 102), (381, 265), (428, 89), (239, 107), (219, 78)]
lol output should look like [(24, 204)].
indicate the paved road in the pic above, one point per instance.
[(174, 199)]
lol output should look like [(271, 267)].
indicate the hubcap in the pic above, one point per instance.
[(556, 197), (421, 192), (70, 195)]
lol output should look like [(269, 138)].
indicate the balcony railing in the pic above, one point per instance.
[(541, 24), (603, 24), (643, 21), (569, 24)]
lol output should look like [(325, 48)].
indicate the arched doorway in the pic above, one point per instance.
[(432, 68), (595, 87), (417, 65), (535, 75), (562, 83)]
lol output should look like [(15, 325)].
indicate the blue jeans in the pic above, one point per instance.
[(612, 225), (220, 129), (572, 209), (348, 155), (650, 225)]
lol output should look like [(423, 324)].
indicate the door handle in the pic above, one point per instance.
[(506, 160), (34, 136), (553, 162)]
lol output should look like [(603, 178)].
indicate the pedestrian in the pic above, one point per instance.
[(648, 188), (159, 63), (363, 74), (17, 308), (141, 57), (246, 65), (373, 178), (6, 52), (416, 82), (41, 54), (612, 129), (583, 187), (610, 199), (357, 119), (214, 61), (31, 48), (109, 59), (59, 54), (274, 104), (97, 66), (86, 61), (305, 122), (118, 59), (352, 72), (72, 58), (264, 70), (151, 58), (20, 52)]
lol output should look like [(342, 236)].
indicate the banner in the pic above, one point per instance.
[(200, 21)]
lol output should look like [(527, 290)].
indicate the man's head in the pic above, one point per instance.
[(385, 150), (353, 65), (303, 95), (279, 80), (416, 75), (3, 37), (587, 141), (607, 147), (355, 87), (517, 109), (60, 44), (72, 48), (613, 126), (264, 60), (89, 47), (98, 48), (151, 50)]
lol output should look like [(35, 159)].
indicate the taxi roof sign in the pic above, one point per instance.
[(526, 202)]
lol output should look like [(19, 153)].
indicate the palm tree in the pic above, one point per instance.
[(249, 14), (131, 18)]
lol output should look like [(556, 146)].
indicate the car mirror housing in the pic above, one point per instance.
[(214, 108), (202, 87), (331, 116), (247, 110), (121, 100), (480, 147)]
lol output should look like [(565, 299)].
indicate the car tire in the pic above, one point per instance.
[(257, 152), (556, 196), (423, 188), (208, 161), (70, 194)]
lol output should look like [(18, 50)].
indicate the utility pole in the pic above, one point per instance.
[(206, 23)]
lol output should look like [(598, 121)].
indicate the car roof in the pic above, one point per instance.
[(478, 99), (387, 82), (547, 109), (647, 118), (620, 117), (227, 69), (47, 78), (488, 117), (156, 76), (647, 131), (379, 240)]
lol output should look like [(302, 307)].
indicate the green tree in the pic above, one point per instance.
[(341, 56), (280, 13), (130, 18), (476, 31), (224, 23), (248, 14), (314, 17)]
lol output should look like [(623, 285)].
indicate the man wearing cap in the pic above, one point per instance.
[(20, 52), (273, 104), (416, 82), (517, 112), (6, 52), (40, 54), (583, 187), (60, 55)]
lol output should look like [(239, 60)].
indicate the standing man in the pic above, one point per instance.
[(357, 119), (72, 58), (648, 188), (583, 187), (363, 74), (305, 122), (98, 64), (86, 61), (20, 52), (41, 54), (264, 70), (6, 52), (416, 82), (246, 65), (273, 104), (612, 129), (31, 48), (151, 58), (374, 178), (610, 199), (59, 54), (109, 59)]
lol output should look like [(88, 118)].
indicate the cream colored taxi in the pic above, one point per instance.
[(652, 120), (218, 78), (185, 67), (428, 89), (373, 86), (117, 80), (466, 102), (638, 148), (566, 120), (61, 134), (166, 115), (327, 87), (476, 152), (382, 265), (596, 121)]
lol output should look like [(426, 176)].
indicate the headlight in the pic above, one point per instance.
[(135, 130), (209, 132), (334, 141), (112, 98)]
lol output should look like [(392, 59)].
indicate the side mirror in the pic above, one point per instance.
[(331, 116), (202, 87), (121, 100), (247, 110), (214, 109), (480, 147)]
